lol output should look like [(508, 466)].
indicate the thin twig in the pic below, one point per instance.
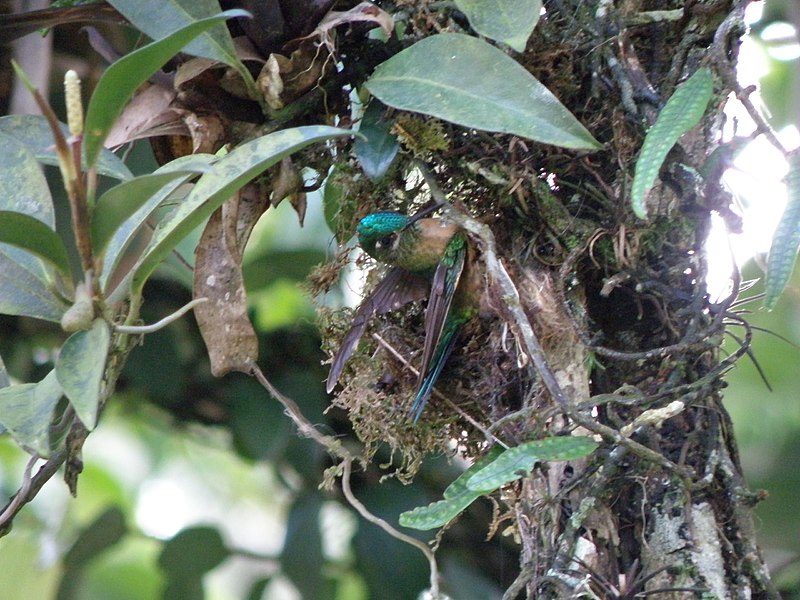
[(304, 426), (727, 71), (364, 512), (526, 574), (335, 447), (30, 487), (21, 496)]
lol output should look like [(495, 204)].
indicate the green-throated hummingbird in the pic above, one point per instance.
[(424, 253)]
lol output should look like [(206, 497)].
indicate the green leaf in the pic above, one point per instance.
[(436, 514), (23, 187), (26, 411), (102, 533), (456, 498), (193, 551), (25, 293), (516, 462), (24, 190), (123, 201), (232, 171), (159, 18), (469, 82), (34, 132), (302, 557), (507, 21), (339, 207), (4, 379), (377, 148), (122, 78), (80, 367), (459, 486), (116, 251), (682, 111), (783, 251), (35, 237)]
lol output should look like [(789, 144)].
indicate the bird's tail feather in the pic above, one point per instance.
[(426, 386)]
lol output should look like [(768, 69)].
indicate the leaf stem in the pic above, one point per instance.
[(143, 329)]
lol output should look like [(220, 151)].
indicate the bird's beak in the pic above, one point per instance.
[(423, 213)]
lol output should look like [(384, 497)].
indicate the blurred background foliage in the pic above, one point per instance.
[(199, 488)]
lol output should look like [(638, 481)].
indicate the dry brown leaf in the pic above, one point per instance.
[(149, 114), (207, 132), (363, 12), (284, 79), (224, 324)]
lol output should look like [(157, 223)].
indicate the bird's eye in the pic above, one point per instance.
[(385, 242)]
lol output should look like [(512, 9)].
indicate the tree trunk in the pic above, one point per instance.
[(681, 526)]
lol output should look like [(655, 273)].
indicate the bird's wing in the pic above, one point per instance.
[(399, 287), (443, 289)]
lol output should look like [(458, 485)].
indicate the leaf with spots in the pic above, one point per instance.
[(783, 252), (516, 462), (682, 111)]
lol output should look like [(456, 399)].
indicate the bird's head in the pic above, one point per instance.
[(379, 232)]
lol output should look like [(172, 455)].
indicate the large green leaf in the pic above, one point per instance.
[(225, 178), (80, 367), (23, 190), (25, 293), (122, 78), (783, 251), (507, 21), (159, 18), (34, 132), (26, 411), (467, 81), (35, 237), (193, 551), (491, 472), (23, 187), (123, 201), (682, 111), (25, 194)]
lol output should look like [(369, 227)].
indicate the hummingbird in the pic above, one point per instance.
[(428, 256)]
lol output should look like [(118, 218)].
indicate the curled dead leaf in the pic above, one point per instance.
[(208, 132), (365, 12), (149, 114), (229, 336), (284, 79)]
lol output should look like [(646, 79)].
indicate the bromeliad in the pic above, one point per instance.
[(424, 252)]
